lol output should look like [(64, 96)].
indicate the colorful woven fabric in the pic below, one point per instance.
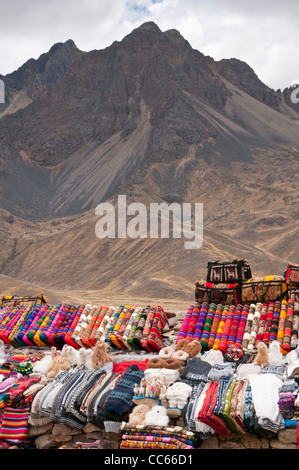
[(21, 325), (248, 326), (44, 324), (14, 425), (68, 337), (226, 329), (295, 328), (136, 340), (117, 326), (207, 326), (135, 329), (90, 323), (185, 324), (147, 327), (286, 340), (154, 342), (254, 327), (267, 330), (275, 321), (177, 432), (261, 325), (100, 317), (135, 313), (59, 338), (282, 320), (204, 307), (215, 324), (220, 327), (123, 327), (171, 443), (235, 325), (242, 326), (207, 412), (32, 327), (104, 327), (55, 325), (192, 321), (286, 404), (112, 325), (80, 325)]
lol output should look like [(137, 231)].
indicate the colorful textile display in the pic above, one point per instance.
[(295, 326), (124, 328), (215, 324), (14, 425), (264, 289), (242, 326), (157, 437)]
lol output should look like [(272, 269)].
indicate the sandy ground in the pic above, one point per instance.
[(11, 286)]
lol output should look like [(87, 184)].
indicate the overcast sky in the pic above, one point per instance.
[(263, 33)]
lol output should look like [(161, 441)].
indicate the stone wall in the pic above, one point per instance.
[(56, 435)]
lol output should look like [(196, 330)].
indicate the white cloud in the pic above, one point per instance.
[(263, 34)]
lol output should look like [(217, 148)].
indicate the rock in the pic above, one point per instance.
[(250, 441), (35, 431), (62, 429), (231, 445), (277, 444), (62, 438), (211, 443), (265, 443), (172, 322), (96, 435), (287, 436), (90, 427), (46, 441), (110, 444), (180, 315), (112, 435), (177, 326), (246, 441)]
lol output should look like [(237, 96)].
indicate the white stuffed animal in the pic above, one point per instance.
[(157, 416), (72, 355), (82, 357), (275, 356), (42, 365), (178, 394), (88, 358)]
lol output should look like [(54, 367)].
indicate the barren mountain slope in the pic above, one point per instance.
[(155, 120)]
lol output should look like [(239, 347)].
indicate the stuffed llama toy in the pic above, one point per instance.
[(58, 363), (262, 355), (100, 355), (137, 416), (157, 416)]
